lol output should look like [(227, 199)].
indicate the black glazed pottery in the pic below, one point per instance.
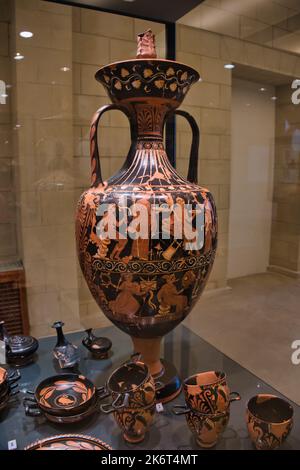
[(20, 349), (65, 352), (63, 395), (33, 410), (8, 386), (98, 346)]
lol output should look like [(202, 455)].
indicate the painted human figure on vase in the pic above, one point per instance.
[(126, 302), (169, 296)]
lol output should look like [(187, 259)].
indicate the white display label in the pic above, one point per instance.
[(12, 445), (2, 353), (159, 407)]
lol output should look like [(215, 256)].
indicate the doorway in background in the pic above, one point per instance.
[(252, 163)]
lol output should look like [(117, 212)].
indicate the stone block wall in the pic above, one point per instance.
[(8, 244), (210, 103), (43, 111), (272, 23)]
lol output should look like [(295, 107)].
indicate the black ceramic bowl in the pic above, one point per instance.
[(64, 394)]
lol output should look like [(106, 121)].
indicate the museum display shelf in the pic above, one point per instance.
[(188, 351)]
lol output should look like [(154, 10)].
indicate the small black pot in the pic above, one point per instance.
[(98, 346), (20, 349)]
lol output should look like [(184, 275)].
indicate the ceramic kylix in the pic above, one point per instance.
[(98, 346), (132, 389), (8, 378), (147, 281), (269, 421), (34, 411), (208, 392), (62, 395), (8, 386), (207, 428), (130, 386), (69, 442), (8, 375)]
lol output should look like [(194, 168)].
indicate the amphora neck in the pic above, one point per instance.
[(148, 118)]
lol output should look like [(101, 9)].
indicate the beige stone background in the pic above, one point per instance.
[(44, 148)]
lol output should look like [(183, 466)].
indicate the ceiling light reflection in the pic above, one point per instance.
[(26, 34), (229, 66), (18, 56)]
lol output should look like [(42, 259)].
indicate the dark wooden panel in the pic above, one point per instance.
[(13, 302), (156, 10)]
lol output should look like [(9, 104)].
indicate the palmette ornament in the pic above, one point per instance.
[(147, 281)]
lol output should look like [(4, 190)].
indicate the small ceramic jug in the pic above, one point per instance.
[(97, 345)]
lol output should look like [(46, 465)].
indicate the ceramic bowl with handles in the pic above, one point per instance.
[(206, 427), (208, 392), (130, 386), (63, 395), (269, 421), (132, 390)]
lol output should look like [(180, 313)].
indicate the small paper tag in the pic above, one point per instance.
[(12, 445), (2, 353), (159, 407)]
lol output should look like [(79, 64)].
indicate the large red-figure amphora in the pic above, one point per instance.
[(148, 281)]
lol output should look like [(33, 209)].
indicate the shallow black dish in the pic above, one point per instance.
[(33, 410), (63, 394)]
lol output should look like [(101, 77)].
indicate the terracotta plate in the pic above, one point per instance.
[(69, 442)]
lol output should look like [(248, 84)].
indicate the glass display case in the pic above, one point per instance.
[(244, 63)]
